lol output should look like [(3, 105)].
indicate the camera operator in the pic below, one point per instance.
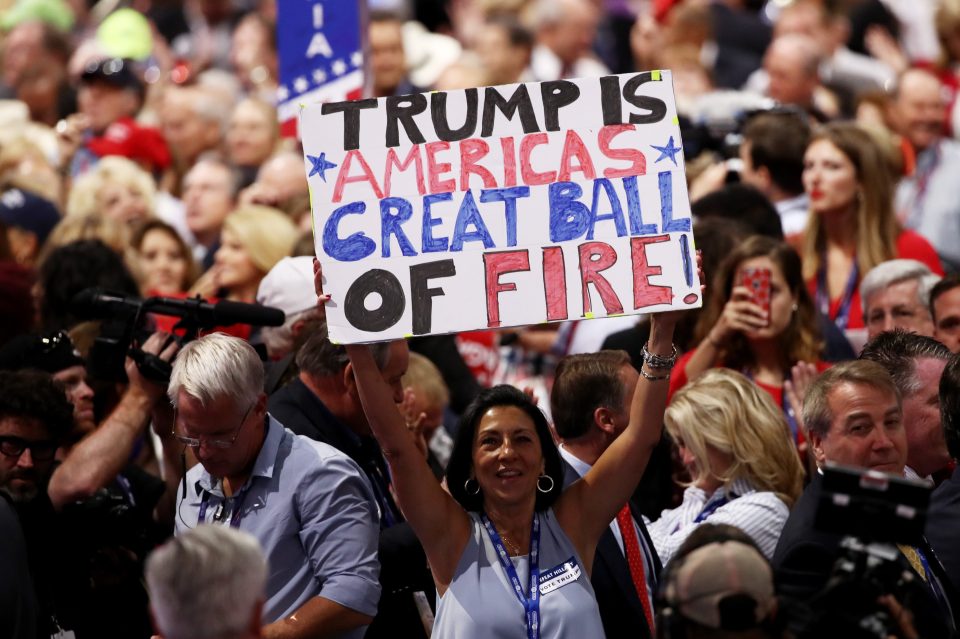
[(854, 417), (114, 509), (101, 459), (83, 559)]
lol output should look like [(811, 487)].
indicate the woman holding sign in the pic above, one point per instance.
[(510, 553), (761, 322)]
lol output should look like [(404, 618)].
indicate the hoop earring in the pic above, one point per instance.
[(541, 488), (466, 486)]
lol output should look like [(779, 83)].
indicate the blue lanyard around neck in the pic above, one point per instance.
[(823, 294), (531, 602), (711, 508), (235, 517)]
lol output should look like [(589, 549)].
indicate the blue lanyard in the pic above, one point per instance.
[(710, 508), (237, 509), (382, 490), (531, 603), (823, 296)]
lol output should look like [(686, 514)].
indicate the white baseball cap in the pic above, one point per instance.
[(289, 286)]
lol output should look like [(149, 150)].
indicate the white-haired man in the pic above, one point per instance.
[(308, 505), (896, 294), (220, 596)]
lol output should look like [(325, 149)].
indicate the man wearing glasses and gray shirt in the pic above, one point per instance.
[(309, 506)]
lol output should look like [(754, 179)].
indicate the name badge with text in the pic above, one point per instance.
[(559, 576)]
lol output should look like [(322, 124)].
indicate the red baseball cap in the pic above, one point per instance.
[(141, 144)]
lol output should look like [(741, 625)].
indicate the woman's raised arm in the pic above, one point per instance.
[(589, 505), (440, 523)]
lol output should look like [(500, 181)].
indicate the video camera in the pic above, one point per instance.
[(875, 513), (125, 319)]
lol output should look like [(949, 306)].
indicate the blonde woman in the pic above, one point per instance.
[(91, 226), (25, 164), (254, 238), (117, 189), (746, 471)]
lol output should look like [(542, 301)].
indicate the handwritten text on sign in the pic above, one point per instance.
[(500, 206)]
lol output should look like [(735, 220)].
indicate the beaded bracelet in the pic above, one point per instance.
[(653, 378), (658, 361)]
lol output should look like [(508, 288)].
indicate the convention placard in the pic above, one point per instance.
[(500, 206)]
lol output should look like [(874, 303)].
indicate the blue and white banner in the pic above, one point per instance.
[(320, 49)]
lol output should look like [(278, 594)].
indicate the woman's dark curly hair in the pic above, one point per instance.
[(460, 466), (72, 268)]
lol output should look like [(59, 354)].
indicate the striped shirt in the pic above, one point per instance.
[(761, 515)]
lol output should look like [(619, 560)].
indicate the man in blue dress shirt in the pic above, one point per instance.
[(310, 506)]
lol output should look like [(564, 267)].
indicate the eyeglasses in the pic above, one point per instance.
[(40, 451), (194, 442)]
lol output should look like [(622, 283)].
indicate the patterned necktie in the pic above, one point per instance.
[(913, 557), (631, 547)]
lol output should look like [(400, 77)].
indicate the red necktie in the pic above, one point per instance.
[(631, 546)]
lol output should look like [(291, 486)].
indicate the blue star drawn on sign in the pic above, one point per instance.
[(320, 166), (669, 151)]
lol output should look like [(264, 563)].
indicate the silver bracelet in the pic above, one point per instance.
[(653, 378), (658, 361)]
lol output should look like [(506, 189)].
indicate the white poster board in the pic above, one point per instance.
[(500, 206)]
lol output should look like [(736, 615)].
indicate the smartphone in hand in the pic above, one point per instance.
[(757, 280)]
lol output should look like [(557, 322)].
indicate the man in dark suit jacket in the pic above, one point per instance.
[(590, 404), (323, 404), (853, 417), (943, 518)]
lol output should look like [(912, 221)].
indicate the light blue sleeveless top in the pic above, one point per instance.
[(480, 602)]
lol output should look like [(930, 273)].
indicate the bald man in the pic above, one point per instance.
[(792, 65), (565, 31)]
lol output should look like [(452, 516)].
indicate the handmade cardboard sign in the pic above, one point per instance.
[(500, 206)]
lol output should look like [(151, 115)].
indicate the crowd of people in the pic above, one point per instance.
[(621, 477)]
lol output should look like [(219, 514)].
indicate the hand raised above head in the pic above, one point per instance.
[(801, 377), (160, 346)]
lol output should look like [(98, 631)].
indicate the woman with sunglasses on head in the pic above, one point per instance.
[(511, 555)]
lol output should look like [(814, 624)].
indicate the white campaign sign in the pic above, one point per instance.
[(500, 206)]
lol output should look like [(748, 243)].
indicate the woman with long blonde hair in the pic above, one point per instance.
[(746, 471)]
